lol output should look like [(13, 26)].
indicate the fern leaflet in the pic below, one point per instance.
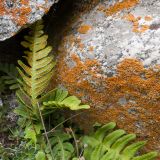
[(109, 144), (61, 147), (11, 76), (59, 99)]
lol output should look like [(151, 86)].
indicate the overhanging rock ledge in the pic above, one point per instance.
[(16, 14)]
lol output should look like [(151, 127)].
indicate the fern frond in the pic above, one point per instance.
[(37, 72), (60, 99), (109, 144), (11, 76), (62, 149)]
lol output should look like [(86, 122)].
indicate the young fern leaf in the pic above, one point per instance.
[(40, 155), (61, 147), (60, 99), (37, 73), (109, 144), (11, 76)]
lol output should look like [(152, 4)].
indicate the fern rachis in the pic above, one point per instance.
[(38, 72)]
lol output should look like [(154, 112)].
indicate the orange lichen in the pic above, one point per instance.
[(119, 6), (135, 22), (148, 18), (144, 28), (24, 2), (19, 15), (127, 4), (22, 19), (101, 8), (84, 29), (91, 48), (130, 17), (46, 9), (139, 86), (2, 9)]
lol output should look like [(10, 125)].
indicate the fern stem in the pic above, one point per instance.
[(53, 129), (33, 68), (31, 121), (42, 121), (76, 144)]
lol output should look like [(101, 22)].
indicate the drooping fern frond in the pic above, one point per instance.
[(60, 99), (109, 144), (37, 72), (10, 76), (62, 149)]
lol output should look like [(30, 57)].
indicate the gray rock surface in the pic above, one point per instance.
[(16, 14), (7, 105), (110, 58), (115, 37)]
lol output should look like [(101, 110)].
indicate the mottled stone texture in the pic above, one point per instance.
[(15, 14), (110, 58)]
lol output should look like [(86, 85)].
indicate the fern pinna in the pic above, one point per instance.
[(37, 72), (59, 98), (109, 144), (9, 77), (62, 149)]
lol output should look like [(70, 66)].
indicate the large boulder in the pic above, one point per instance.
[(15, 14), (110, 58)]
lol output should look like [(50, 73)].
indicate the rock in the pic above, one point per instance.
[(7, 105), (15, 14), (8, 119), (110, 58)]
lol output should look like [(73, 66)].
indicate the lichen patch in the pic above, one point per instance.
[(122, 81), (18, 14), (84, 29), (118, 6), (14, 14), (148, 18), (137, 27), (140, 87)]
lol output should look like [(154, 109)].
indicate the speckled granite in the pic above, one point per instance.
[(18, 13), (110, 58), (114, 38)]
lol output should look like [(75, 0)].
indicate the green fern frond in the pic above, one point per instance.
[(37, 72), (59, 99), (109, 144), (11, 76), (62, 149)]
